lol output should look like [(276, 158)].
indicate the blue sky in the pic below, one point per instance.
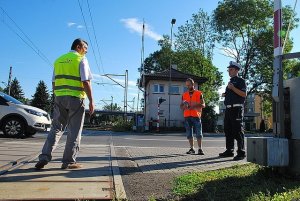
[(52, 25)]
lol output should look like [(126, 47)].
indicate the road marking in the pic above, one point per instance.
[(28, 143), (141, 139), (124, 146)]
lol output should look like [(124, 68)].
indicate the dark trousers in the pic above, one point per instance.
[(233, 128)]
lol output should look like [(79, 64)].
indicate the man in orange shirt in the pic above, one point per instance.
[(192, 104)]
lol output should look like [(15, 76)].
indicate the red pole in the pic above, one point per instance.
[(277, 28)]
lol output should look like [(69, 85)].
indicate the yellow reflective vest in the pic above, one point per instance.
[(67, 76)]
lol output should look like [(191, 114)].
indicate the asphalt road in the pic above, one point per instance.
[(131, 139), (148, 162)]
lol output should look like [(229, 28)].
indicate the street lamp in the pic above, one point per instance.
[(173, 21)]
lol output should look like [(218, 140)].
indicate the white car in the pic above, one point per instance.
[(17, 119)]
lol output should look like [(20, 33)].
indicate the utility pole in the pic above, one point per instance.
[(112, 103), (132, 101), (173, 21), (126, 92), (9, 80), (277, 92), (137, 103), (109, 76)]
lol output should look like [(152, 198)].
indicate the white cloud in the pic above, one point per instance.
[(80, 27), (71, 24), (136, 26)]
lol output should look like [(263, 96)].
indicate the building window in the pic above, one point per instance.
[(174, 89), (185, 89), (158, 88)]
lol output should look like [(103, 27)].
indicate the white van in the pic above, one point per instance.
[(17, 119)]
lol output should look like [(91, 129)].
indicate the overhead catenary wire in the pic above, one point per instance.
[(27, 41), (288, 30), (92, 21), (88, 33)]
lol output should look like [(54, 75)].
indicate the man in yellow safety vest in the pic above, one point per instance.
[(71, 83)]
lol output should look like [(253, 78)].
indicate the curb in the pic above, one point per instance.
[(117, 178)]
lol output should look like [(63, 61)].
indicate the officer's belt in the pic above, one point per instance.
[(234, 105)]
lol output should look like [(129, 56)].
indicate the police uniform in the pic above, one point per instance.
[(234, 114)]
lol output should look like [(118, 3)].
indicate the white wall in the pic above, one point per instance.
[(176, 114)]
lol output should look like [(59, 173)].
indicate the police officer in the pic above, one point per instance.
[(71, 84), (235, 96)]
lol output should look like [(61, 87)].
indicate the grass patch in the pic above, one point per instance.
[(246, 182)]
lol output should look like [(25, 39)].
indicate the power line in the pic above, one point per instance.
[(95, 36), (88, 33), (288, 30), (32, 45)]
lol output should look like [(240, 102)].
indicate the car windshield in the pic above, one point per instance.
[(9, 98)]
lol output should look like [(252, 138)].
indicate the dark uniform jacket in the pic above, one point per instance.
[(231, 97)]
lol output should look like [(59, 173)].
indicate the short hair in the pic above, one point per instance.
[(77, 42), (190, 80)]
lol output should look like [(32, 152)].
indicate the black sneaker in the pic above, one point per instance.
[(239, 157), (41, 164), (200, 152), (191, 151), (226, 153)]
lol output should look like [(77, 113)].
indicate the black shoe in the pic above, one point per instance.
[(200, 152), (239, 157), (41, 164), (191, 151), (226, 153)]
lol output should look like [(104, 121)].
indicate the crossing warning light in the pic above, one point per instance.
[(160, 100)]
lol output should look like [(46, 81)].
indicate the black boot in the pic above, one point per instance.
[(227, 153)]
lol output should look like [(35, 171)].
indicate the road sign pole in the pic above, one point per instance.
[(157, 124)]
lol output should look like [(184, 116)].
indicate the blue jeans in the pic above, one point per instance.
[(193, 124)]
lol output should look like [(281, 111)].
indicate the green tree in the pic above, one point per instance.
[(197, 34), (245, 29), (16, 90), (193, 62), (209, 119), (112, 107), (159, 60), (1, 89), (41, 98), (292, 69), (187, 61)]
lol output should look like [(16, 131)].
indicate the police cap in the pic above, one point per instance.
[(233, 64)]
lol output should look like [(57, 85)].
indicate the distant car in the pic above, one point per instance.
[(17, 119)]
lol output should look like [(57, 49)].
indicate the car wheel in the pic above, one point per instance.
[(13, 127)]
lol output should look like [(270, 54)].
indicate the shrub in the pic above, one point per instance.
[(121, 125)]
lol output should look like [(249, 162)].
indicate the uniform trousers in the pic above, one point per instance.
[(233, 128)]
